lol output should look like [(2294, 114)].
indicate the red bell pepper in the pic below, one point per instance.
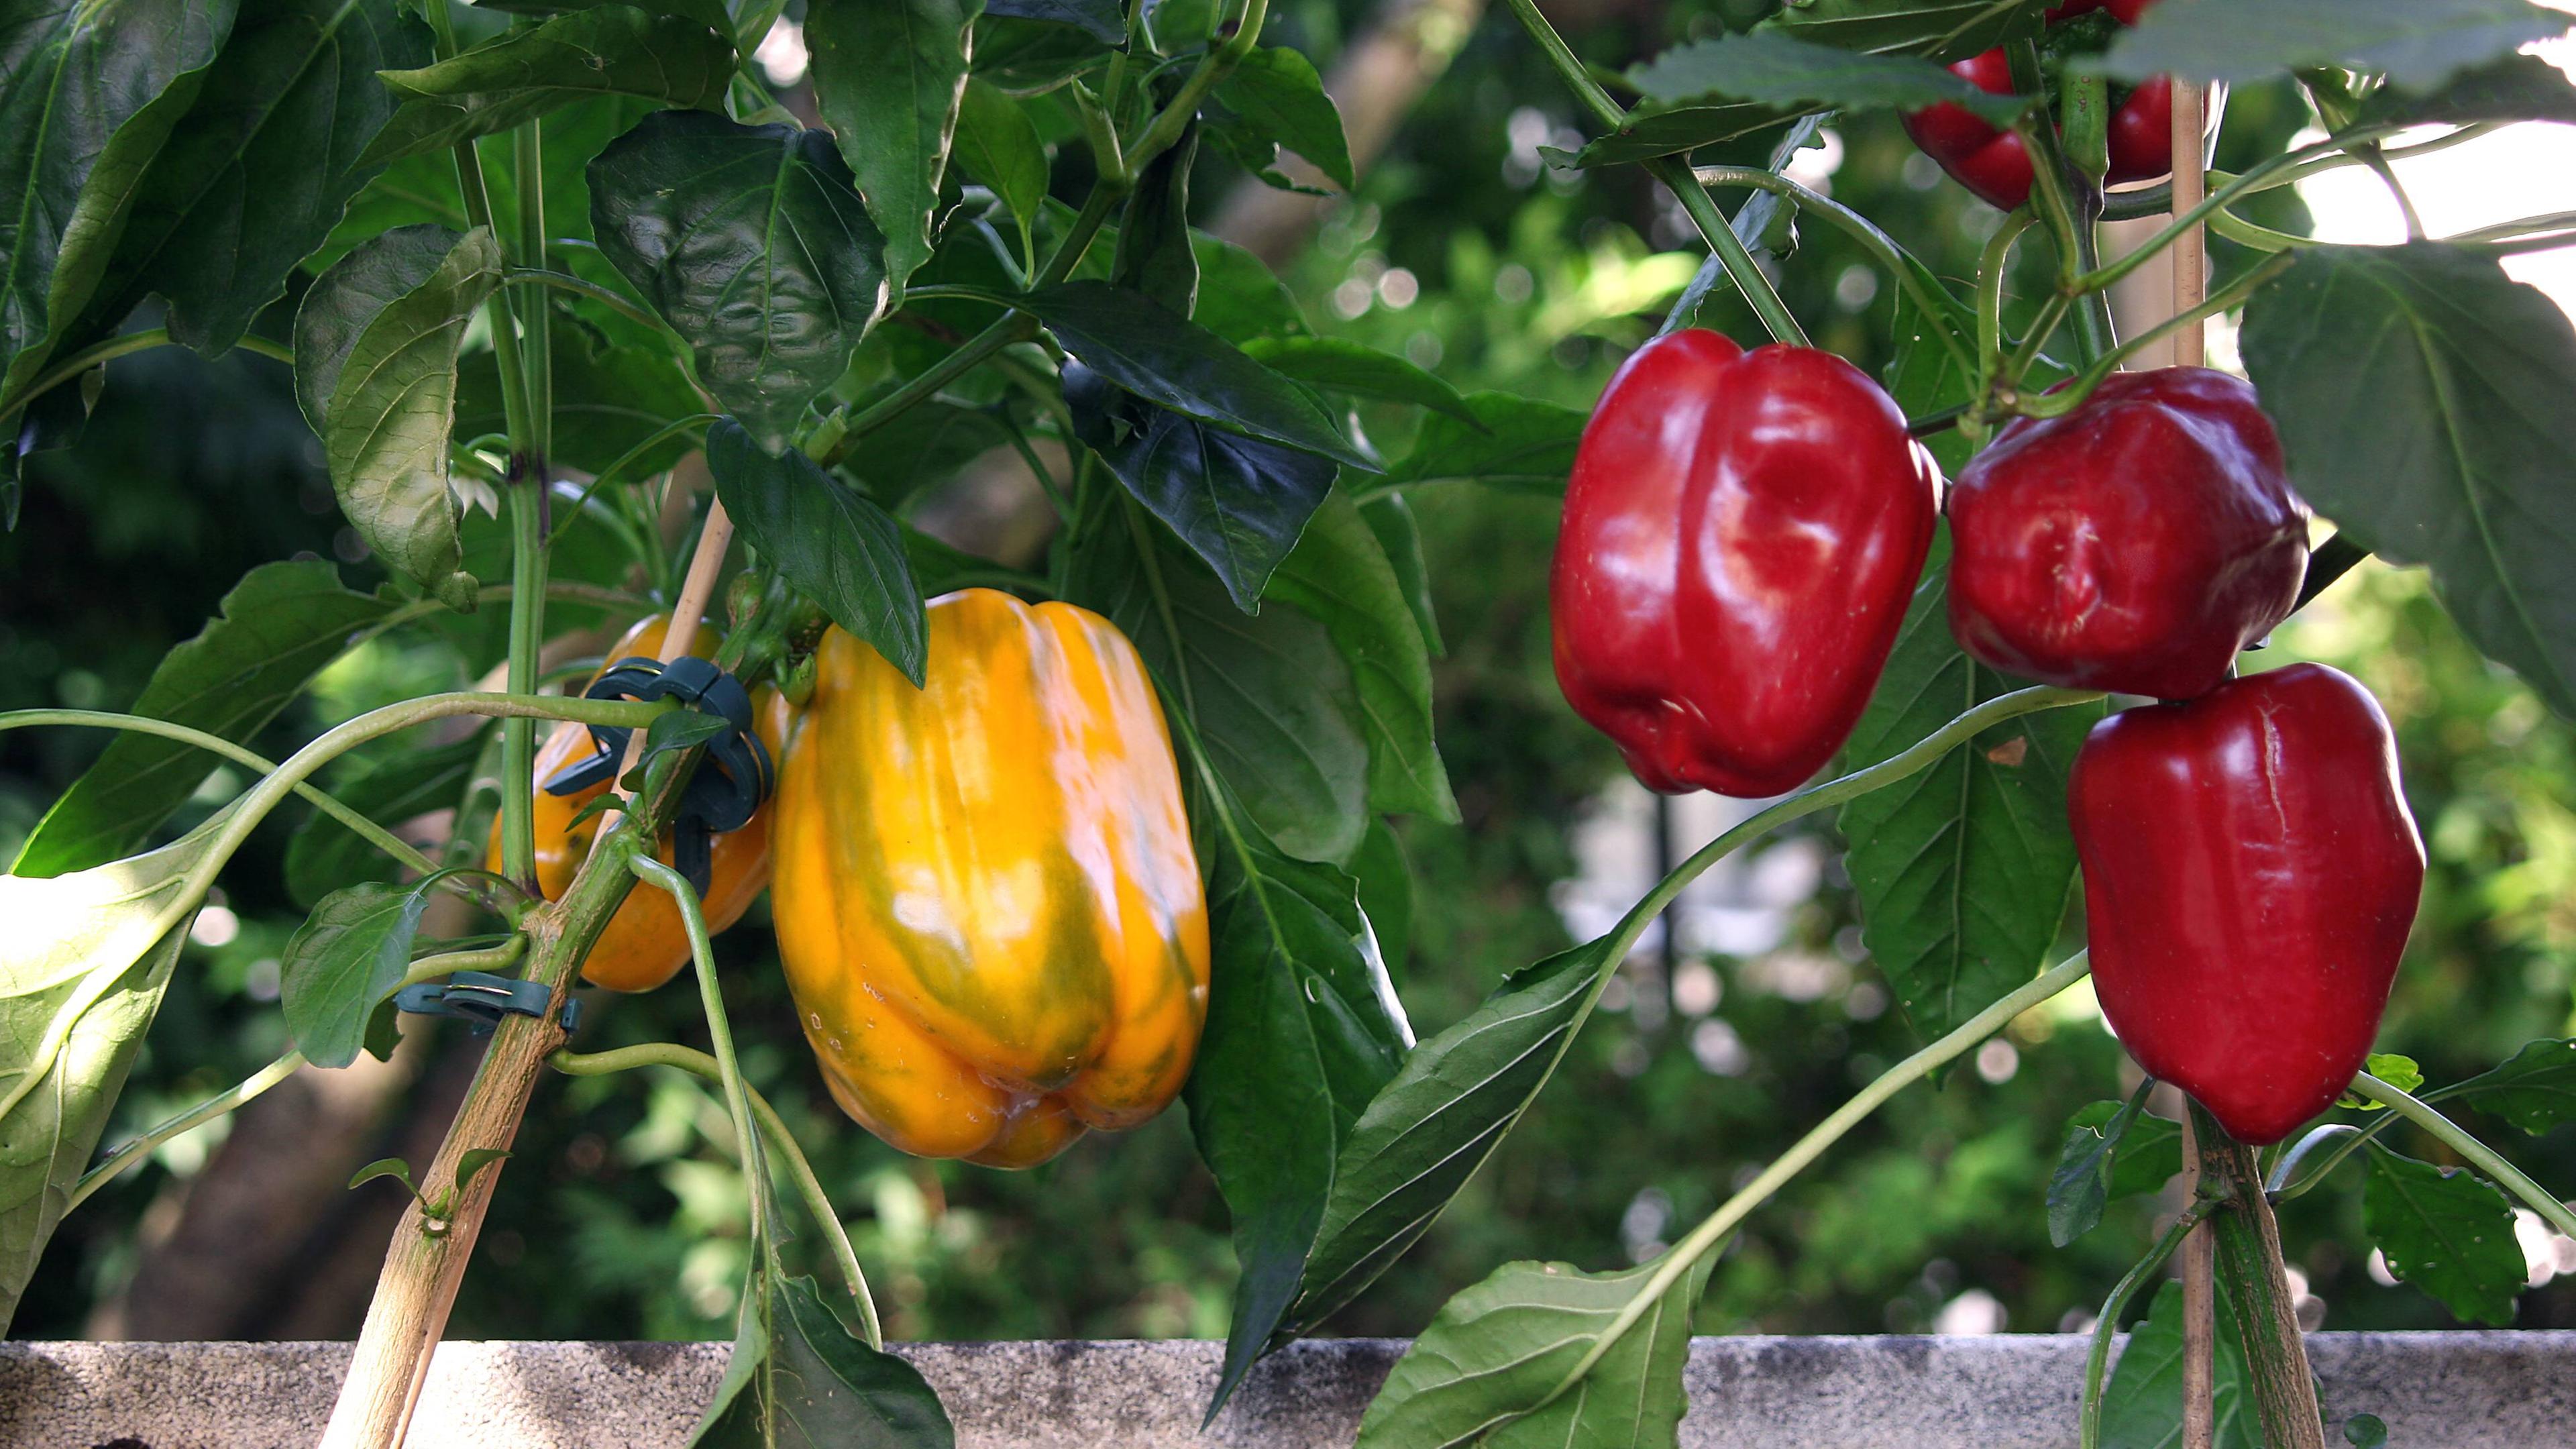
[(2250, 873), (1991, 161), (1742, 533)]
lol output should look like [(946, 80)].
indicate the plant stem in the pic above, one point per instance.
[(746, 1138), (2479, 1155), (206, 1111), (2275, 171), (1880, 246), (1992, 264), (566, 282), (809, 1188), (2067, 399), (2099, 1359), (2248, 1244), (1016, 327)]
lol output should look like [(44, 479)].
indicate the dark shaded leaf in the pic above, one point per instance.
[(2516, 88), (609, 397), (999, 145), (888, 77), (1938, 30), (524, 74), (2418, 391), (1276, 96), (1335, 364), (325, 855), (2447, 1231), (1385, 879), (2535, 1089), (2112, 1150), (277, 628), (1031, 57), (1777, 69), (375, 367), (1391, 519), (1302, 1030), (922, 445), (1963, 869), (838, 548), (2419, 43), (1170, 361), (1504, 1364), (263, 167), (1153, 255), (1515, 442), (1101, 19), (89, 92), (752, 243), (348, 956)]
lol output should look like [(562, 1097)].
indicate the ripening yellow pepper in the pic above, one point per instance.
[(985, 893), (645, 943)]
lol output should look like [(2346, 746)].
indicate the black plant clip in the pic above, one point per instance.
[(483, 999), (717, 799)]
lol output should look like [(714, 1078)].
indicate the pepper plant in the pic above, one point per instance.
[(539, 265)]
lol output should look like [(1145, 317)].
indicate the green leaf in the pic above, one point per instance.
[(1336, 364), (1170, 361), (798, 1379), (2516, 88), (681, 729), (2419, 43), (609, 397), (375, 367), (2447, 1231), (325, 856), (2142, 1405), (2418, 390), (1303, 1028), (999, 145), (1777, 69), (1385, 879), (1962, 870), (1537, 1354), (348, 956), (524, 74), (710, 13), (1276, 96), (89, 91), (1516, 442), (1430, 1129), (263, 167), (1240, 298), (393, 1167), (1154, 256), (1031, 57), (277, 628), (1101, 19), (1239, 503), (470, 1164), (2535, 1089), (2365, 1431), (922, 445), (838, 548), (1926, 376), (1652, 131), (1391, 519), (1269, 694), (2112, 1151), (752, 243), (888, 77), (1939, 30), (82, 967), (1339, 574), (2397, 1071)]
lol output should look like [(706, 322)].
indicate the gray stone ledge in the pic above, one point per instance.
[(2017, 1391)]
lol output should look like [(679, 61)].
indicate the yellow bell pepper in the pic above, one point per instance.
[(645, 943), (985, 895)]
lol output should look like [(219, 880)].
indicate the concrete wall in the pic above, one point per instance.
[(2436, 1390)]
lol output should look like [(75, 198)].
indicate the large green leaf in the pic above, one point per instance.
[(1940, 30), (1544, 1354), (523, 74), (1340, 574), (2419, 392), (1780, 70), (89, 91), (1272, 98), (2534, 1089), (82, 967), (1174, 363), (2419, 43), (1337, 364), (609, 399), (1515, 442), (1391, 519), (2113, 1150), (2142, 1405), (800, 1380), (1239, 503), (2516, 88), (263, 167), (835, 545), (752, 243), (1268, 692), (375, 368), (1303, 1028), (2447, 1231), (1963, 869), (277, 628), (888, 76), (1240, 298)]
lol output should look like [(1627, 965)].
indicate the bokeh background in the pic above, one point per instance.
[(621, 1215)]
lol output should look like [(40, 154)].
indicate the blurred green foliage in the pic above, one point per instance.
[(621, 1215)]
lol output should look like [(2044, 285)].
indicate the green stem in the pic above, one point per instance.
[(2478, 1153), (2067, 399), (240, 1093), (1017, 327), (580, 287), (2254, 179), (2507, 230), (2098, 1360), (1714, 1228), (818, 1204), (1992, 264), (2261, 238), (1859, 228), (2052, 311)]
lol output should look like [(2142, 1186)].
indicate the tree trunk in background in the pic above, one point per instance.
[(1375, 82)]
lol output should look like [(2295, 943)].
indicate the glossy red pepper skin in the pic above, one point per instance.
[(2250, 873), (1992, 163), (2135, 544), (1742, 532)]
